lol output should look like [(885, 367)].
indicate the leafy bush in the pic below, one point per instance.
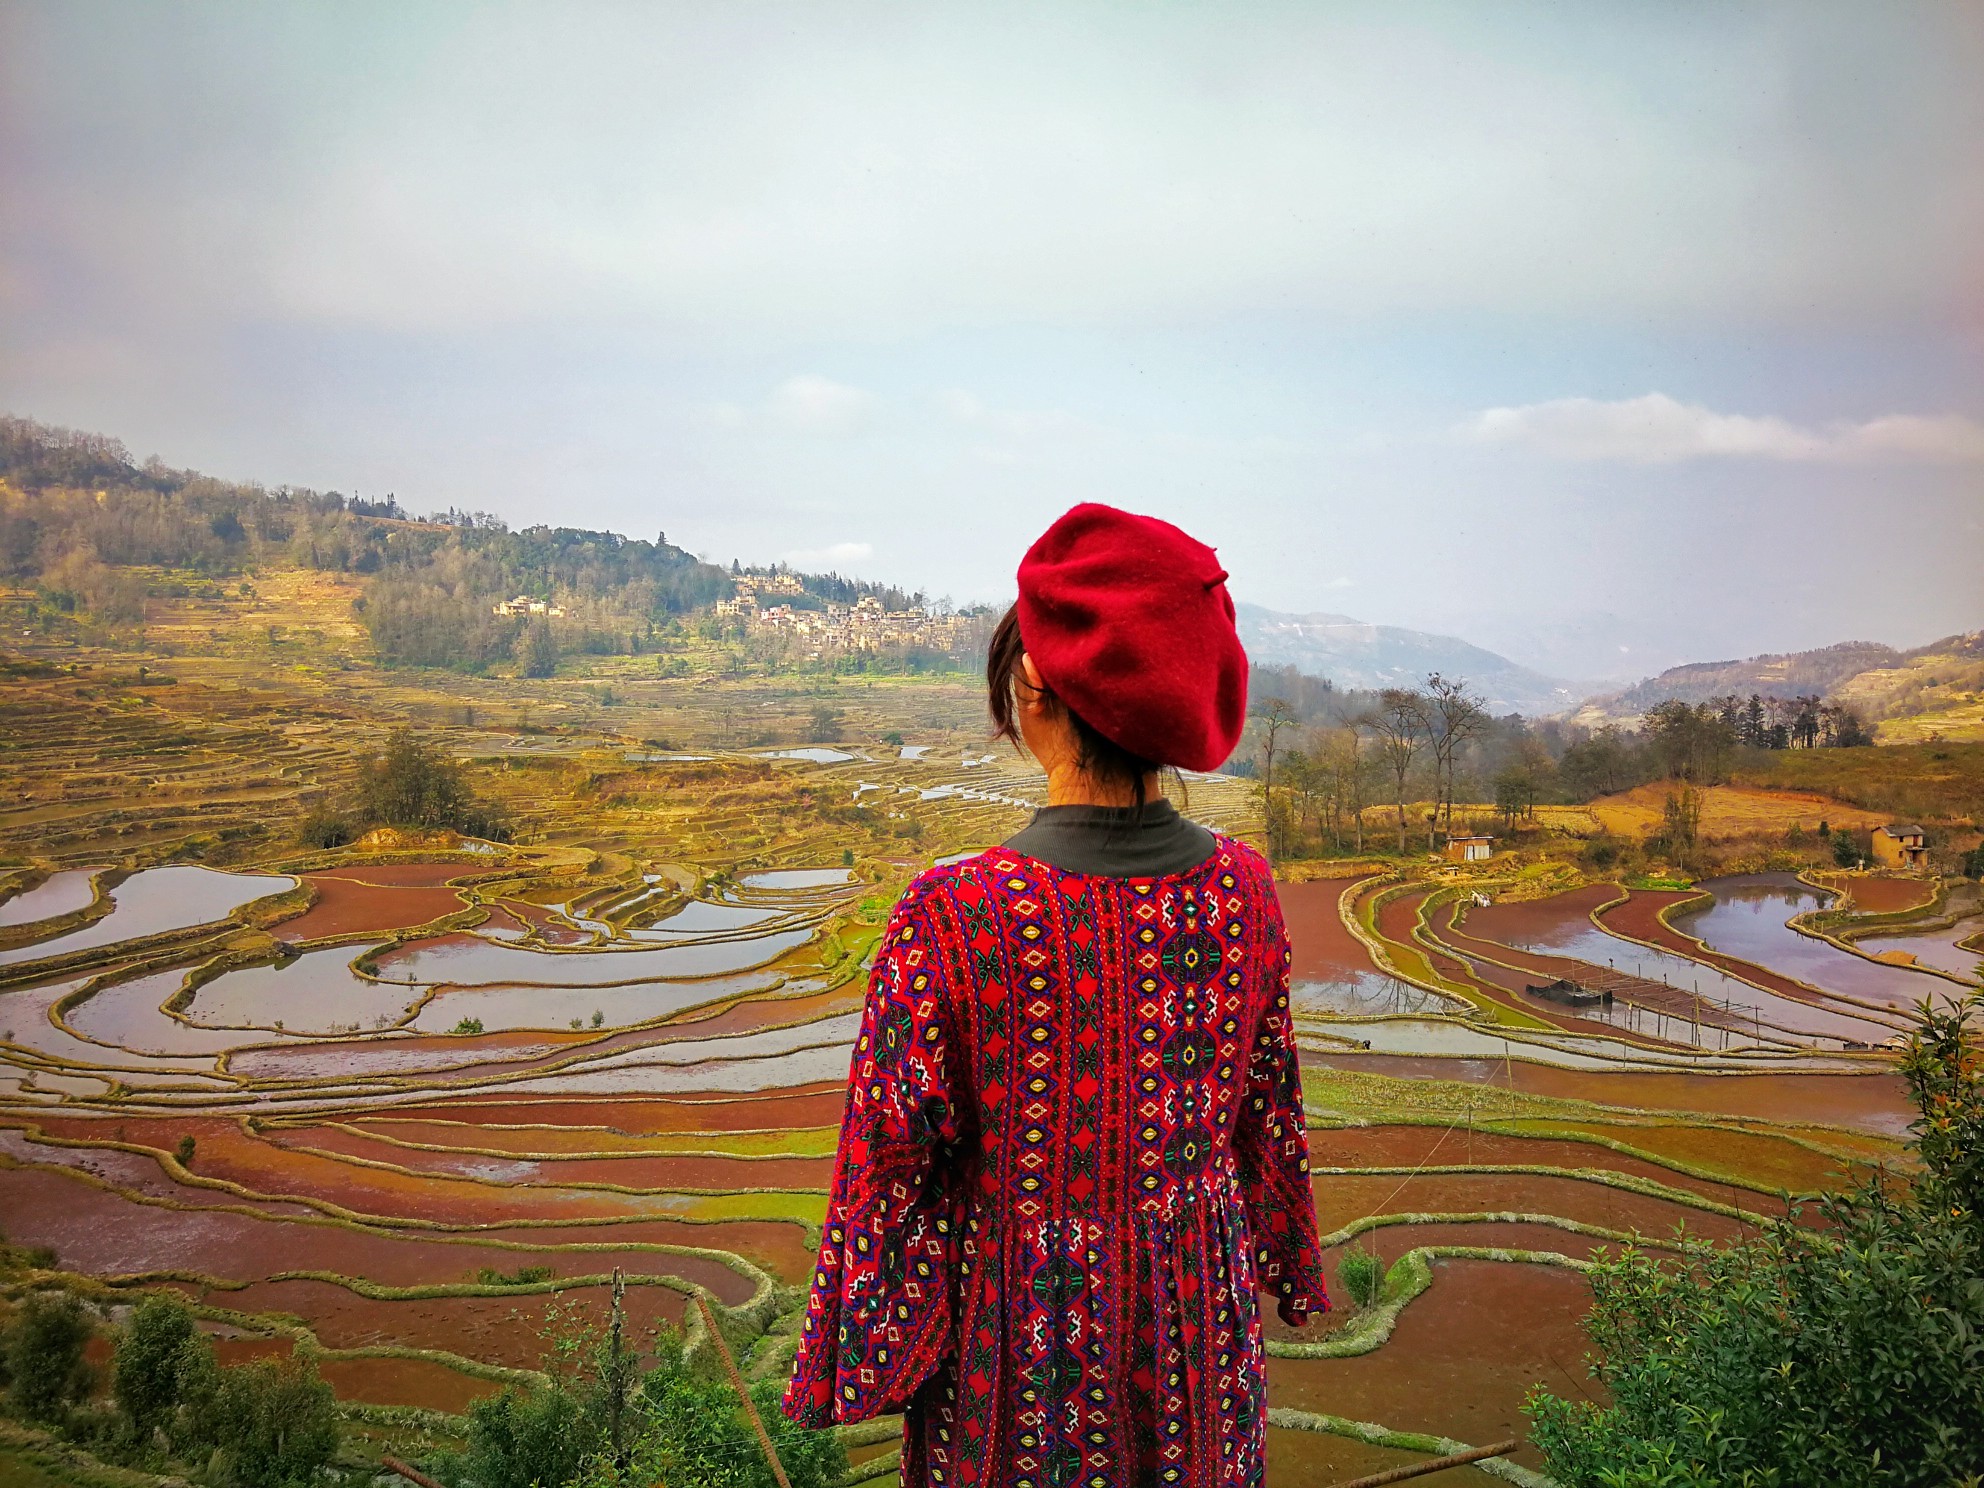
[(677, 1426), (1845, 850), (693, 1430), (1362, 1275), (1848, 1353), (145, 1373), (413, 784), (276, 1424), (46, 1371), (467, 1025), (326, 829), (826, 725), (523, 1439), (188, 1145)]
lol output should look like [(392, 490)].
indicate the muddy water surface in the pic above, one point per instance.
[(1459, 1362), (469, 960), (1748, 918), (157, 900), (62, 893)]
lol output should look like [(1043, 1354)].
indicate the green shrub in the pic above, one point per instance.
[(145, 1371), (413, 784), (276, 1424), (1841, 1353), (1362, 1275), (678, 1426), (326, 829), (523, 1439), (693, 1430), (188, 1145), (468, 1025), (46, 1371), (1845, 850)]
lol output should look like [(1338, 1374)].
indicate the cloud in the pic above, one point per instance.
[(819, 405), (700, 169), (1655, 429), (1023, 424), (832, 557)]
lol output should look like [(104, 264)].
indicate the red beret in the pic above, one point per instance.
[(1129, 621)]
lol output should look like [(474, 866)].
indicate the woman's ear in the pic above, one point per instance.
[(1036, 694)]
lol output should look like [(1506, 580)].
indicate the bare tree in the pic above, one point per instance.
[(1352, 792), (1274, 714), (1453, 716), (1400, 722)]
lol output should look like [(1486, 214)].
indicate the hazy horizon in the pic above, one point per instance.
[(1603, 338)]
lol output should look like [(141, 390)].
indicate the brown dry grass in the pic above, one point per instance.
[(1728, 811)]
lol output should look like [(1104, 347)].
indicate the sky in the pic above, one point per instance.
[(1606, 336)]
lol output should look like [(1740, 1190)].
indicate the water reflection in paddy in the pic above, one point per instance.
[(156, 900), (316, 993), (1450, 1036), (25, 1021), (62, 893), (772, 880), (815, 1053), (469, 960), (1581, 940), (499, 1009), (1747, 920), (1937, 948), (129, 1016), (1365, 994), (702, 917)]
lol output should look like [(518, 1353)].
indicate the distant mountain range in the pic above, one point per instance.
[(1354, 654), (1932, 691)]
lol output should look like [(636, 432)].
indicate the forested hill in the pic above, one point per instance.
[(1926, 692), (77, 514)]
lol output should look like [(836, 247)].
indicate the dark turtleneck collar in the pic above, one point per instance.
[(1113, 841)]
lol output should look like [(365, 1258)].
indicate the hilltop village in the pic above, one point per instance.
[(779, 603)]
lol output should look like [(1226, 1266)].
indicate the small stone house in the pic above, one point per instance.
[(1463, 848), (1900, 847)]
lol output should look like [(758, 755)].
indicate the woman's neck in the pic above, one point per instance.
[(1070, 785)]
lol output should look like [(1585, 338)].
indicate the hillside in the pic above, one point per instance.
[(1354, 654), (1785, 674), (1930, 692)]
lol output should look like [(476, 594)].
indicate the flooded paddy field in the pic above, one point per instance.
[(436, 1142), (153, 902), (1748, 920)]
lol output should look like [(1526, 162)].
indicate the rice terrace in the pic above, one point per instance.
[(411, 1021)]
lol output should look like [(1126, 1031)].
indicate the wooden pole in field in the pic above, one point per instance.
[(737, 1384), (412, 1474), (1437, 1464)]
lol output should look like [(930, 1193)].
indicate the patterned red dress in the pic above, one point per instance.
[(1072, 1155)]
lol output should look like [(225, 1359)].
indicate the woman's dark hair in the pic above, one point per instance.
[(1099, 756)]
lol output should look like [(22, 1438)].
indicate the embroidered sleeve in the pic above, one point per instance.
[(879, 1318), (1272, 1146)]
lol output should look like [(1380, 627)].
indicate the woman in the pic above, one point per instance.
[(1073, 1149)]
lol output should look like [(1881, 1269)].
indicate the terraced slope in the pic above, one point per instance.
[(429, 1099)]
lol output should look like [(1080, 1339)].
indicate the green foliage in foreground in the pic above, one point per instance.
[(674, 1425), (1850, 1354), (172, 1406), (1362, 1275), (45, 1369)]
